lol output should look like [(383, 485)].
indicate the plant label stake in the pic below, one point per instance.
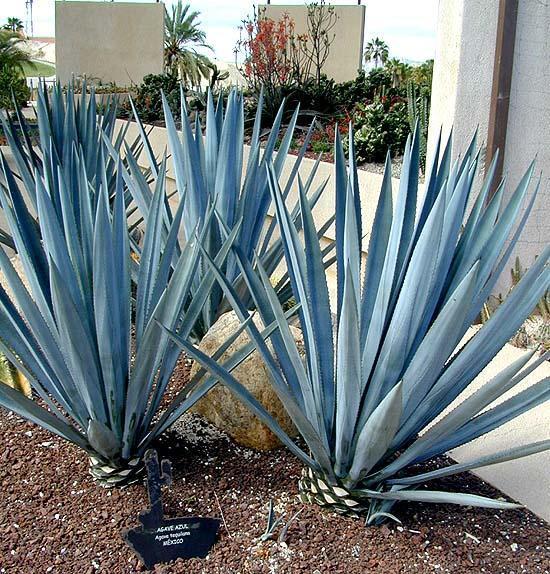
[(160, 539)]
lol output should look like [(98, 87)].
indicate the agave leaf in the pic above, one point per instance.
[(484, 345), (43, 335), (489, 392), (348, 374), (408, 189), (26, 238), (150, 256), (439, 342), (436, 496), (153, 165), (297, 271), (454, 214), (376, 515), (413, 298), (103, 440), (78, 347), (291, 179), (169, 311), (340, 188), (385, 288), (229, 170), (17, 402), (499, 267), (18, 345), (153, 343), (111, 306), (319, 297), (449, 424), (171, 253), (20, 158), (265, 298), (211, 142), (488, 460), (377, 250), (469, 234), (497, 416), (55, 243), (504, 223), (376, 435)]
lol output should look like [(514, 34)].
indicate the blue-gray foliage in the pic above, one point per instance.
[(211, 173), (374, 379), (84, 332)]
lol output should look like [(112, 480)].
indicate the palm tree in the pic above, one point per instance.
[(11, 54), (182, 38), (377, 51), (400, 72), (14, 25)]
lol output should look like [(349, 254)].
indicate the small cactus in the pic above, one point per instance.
[(418, 108), (535, 332)]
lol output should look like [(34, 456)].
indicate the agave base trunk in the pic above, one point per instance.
[(314, 489), (109, 476)]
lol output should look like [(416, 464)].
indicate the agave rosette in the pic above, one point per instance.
[(376, 376), (208, 169), (92, 352)]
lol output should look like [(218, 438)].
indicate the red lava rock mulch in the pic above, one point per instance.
[(55, 519)]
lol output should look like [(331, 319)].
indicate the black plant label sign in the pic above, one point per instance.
[(160, 539)]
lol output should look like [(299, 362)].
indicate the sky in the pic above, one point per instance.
[(407, 27)]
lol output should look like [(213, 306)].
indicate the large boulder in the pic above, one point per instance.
[(223, 409)]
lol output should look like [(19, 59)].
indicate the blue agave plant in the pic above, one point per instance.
[(208, 169), (85, 332), (376, 376), (94, 355)]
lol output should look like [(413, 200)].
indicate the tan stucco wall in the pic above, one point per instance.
[(461, 97), (114, 41), (528, 134), (445, 72), (346, 51)]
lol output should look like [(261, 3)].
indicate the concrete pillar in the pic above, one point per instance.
[(461, 97)]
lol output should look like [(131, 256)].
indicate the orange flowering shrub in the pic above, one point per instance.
[(270, 52)]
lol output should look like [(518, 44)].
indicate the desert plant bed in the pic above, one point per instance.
[(362, 402), (56, 519)]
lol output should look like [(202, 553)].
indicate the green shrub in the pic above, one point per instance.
[(380, 126), (12, 82), (147, 98), (321, 146), (320, 99), (365, 88)]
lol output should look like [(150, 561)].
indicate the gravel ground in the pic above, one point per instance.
[(55, 519)]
